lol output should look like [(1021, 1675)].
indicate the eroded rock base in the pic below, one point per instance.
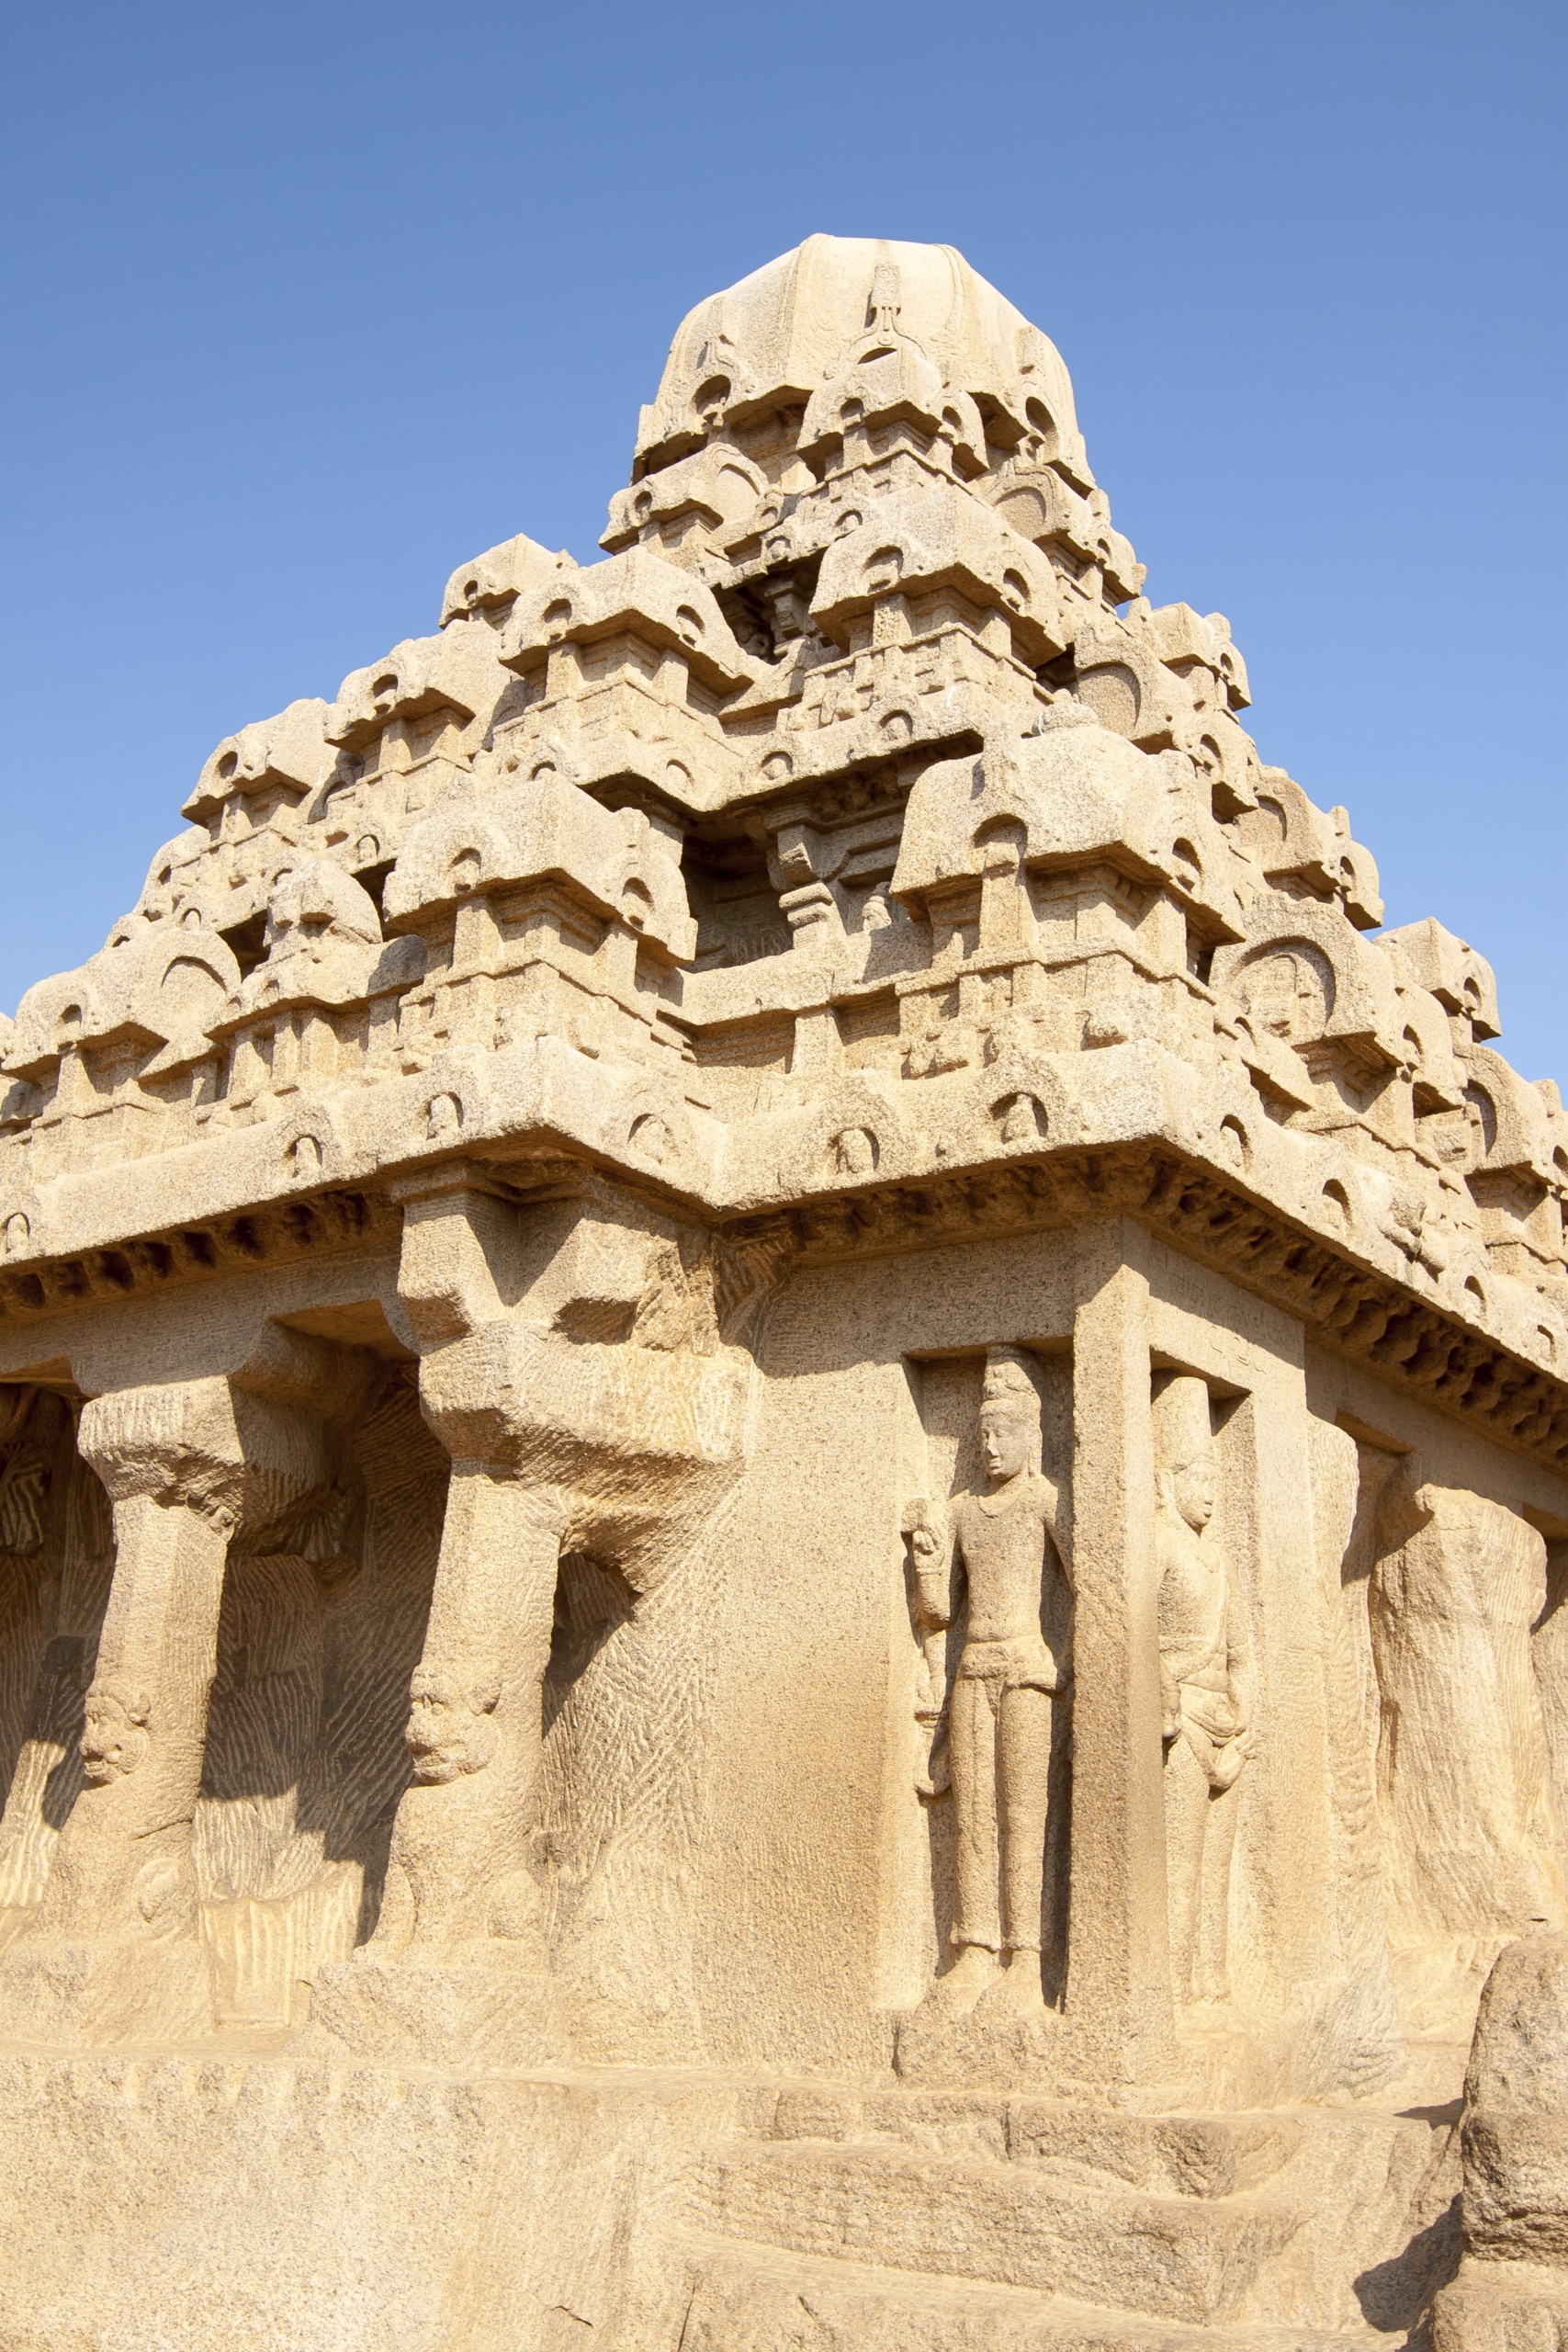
[(147, 2200)]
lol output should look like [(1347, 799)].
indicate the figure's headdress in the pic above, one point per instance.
[(1009, 1382), (1183, 1431)]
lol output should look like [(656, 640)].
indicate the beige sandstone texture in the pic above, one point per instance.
[(783, 1467)]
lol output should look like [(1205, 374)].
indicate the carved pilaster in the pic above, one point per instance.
[(1119, 1995), (475, 1725), (556, 1435), (55, 1546), (115, 1947)]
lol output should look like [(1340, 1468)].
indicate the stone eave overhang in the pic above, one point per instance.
[(330, 1222), (1342, 1295), (1346, 1301)]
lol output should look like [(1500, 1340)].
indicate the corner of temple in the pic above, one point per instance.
[(783, 1461)]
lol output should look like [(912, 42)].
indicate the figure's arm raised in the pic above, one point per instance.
[(934, 1553)]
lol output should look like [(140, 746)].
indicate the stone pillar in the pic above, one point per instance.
[(1549, 1656), (115, 1947), (48, 1774), (475, 1725), (1472, 1839), (476, 1722), (456, 1964), (609, 1445), (1118, 1990)]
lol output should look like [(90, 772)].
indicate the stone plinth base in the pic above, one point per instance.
[(745, 2300), (53, 1991), (1046, 2052), (936, 2048), (1214, 2059), (472, 2014), (175, 2203), (1502, 2307)]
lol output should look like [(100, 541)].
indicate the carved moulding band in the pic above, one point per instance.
[(1348, 1304), (1347, 1301)]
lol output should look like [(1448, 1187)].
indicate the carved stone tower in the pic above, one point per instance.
[(784, 1453)]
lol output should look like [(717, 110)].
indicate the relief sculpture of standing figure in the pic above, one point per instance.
[(1014, 1673), (1206, 1690)]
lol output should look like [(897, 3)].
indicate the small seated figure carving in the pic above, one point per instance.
[(1206, 1690), (450, 1727), (1010, 1676)]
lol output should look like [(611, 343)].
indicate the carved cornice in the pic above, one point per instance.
[(1346, 1303), (324, 1223)]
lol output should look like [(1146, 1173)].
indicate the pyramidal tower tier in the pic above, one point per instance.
[(853, 842), (783, 1459)]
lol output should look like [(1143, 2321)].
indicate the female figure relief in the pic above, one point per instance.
[(1206, 1690)]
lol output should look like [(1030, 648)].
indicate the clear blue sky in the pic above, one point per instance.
[(305, 304)]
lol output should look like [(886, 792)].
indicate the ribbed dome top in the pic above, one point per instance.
[(791, 326)]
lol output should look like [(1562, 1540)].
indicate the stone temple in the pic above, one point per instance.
[(785, 1474)]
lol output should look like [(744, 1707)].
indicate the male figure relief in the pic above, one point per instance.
[(1016, 1669)]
